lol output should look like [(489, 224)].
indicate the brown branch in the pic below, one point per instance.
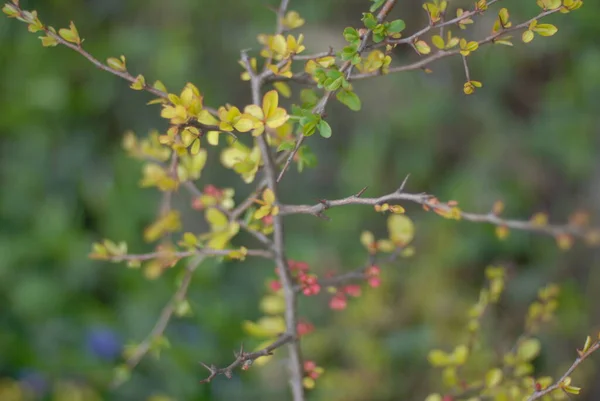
[(559, 383), (246, 358), (295, 364), (431, 202), (163, 320)]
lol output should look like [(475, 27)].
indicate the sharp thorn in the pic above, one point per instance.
[(362, 191)]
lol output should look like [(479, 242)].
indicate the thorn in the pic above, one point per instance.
[(228, 374), (322, 216), (362, 191), (235, 138), (403, 183), (206, 366)]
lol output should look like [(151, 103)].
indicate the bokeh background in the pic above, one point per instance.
[(529, 137)]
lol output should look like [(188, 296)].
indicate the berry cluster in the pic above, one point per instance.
[(311, 374)]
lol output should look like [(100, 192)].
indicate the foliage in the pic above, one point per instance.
[(176, 159)]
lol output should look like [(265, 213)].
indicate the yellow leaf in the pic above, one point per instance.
[(216, 218), (268, 196), (545, 29), (266, 326), (292, 20), (438, 42), (255, 111), (279, 44), (401, 229), (244, 124), (139, 83), (117, 64), (438, 358), (367, 239), (527, 36), (493, 378), (71, 34), (272, 304), (422, 47), (529, 349), (277, 118), (283, 88), (270, 103)]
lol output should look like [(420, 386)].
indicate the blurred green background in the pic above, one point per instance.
[(529, 137)]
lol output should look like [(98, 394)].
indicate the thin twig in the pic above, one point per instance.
[(162, 322), (447, 53), (122, 74), (246, 358), (560, 382), (185, 254), (346, 68)]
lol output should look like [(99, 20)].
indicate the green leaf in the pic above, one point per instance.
[(529, 349), (351, 35), (378, 37), (309, 128), (324, 129), (369, 20), (350, 99), (332, 85), (286, 146), (306, 158), (309, 98), (376, 4), (348, 52), (396, 26)]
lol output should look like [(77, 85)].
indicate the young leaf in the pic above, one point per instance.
[(324, 129), (350, 99), (396, 26)]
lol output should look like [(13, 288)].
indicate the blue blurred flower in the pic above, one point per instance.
[(33, 379), (104, 343)]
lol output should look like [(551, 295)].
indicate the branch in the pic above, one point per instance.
[(246, 358), (184, 254), (416, 35), (347, 68), (295, 364), (447, 53), (26, 17), (431, 202), (562, 382), (281, 15), (163, 320)]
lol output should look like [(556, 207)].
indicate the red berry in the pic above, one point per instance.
[(275, 285), (373, 270), (352, 290), (338, 302), (303, 328), (309, 366), (374, 282)]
